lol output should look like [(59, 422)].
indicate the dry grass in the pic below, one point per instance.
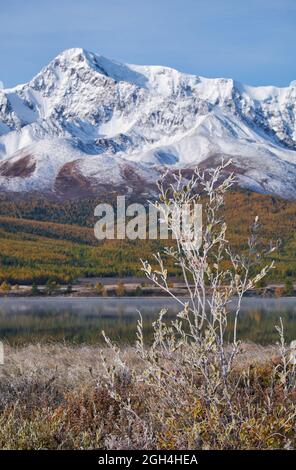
[(56, 397)]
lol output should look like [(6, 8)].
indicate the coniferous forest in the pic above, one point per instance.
[(43, 240)]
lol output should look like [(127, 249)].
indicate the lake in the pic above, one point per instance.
[(81, 320)]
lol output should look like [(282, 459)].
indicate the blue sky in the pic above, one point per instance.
[(251, 41)]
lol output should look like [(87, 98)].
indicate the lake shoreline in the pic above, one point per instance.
[(128, 288), (77, 297)]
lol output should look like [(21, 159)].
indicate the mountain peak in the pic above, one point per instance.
[(75, 59)]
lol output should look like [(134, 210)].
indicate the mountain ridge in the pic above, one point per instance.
[(86, 124)]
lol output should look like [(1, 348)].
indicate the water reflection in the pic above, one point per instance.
[(81, 320)]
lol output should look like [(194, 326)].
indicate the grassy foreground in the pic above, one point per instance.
[(56, 397)]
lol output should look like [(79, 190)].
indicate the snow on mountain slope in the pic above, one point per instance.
[(87, 124)]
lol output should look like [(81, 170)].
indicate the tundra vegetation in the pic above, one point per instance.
[(189, 388)]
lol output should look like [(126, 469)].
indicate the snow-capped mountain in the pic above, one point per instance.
[(86, 124)]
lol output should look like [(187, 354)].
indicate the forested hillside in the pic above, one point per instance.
[(41, 240)]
